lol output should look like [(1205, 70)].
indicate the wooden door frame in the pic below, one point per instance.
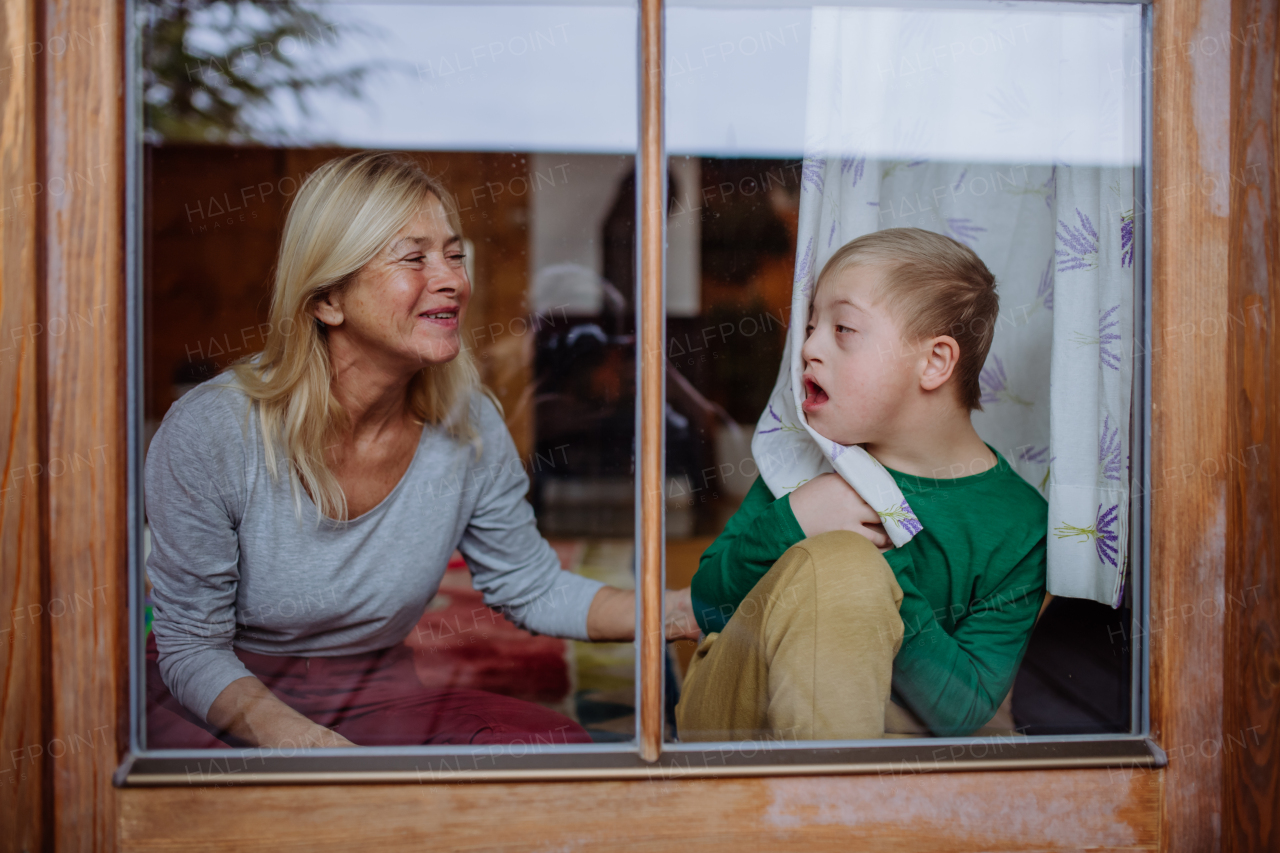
[(64, 545)]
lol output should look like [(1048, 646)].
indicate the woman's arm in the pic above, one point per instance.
[(518, 572), (511, 563), (194, 495), (195, 470), (613, 615), (252, 713)]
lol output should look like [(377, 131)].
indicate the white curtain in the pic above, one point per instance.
[(1009, 132)]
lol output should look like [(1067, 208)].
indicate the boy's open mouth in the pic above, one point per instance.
[(814, 396)]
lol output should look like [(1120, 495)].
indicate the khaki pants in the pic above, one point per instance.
[(807, 656)]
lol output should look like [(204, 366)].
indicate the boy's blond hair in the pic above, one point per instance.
[(933, 285)]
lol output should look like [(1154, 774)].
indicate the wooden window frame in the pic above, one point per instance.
[(1213, 394), (648, 757)]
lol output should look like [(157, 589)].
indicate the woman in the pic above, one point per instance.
[(303, 506)]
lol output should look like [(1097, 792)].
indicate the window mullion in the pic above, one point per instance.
[(652, 391)]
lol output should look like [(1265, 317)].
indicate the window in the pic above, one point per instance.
[(1015, 130)]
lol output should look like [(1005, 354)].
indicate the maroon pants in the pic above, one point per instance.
[(371, 699)]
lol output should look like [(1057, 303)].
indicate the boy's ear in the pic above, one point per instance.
[(941, 355)]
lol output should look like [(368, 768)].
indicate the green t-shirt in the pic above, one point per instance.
[(972, 585)]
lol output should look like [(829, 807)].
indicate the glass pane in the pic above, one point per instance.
[(452, 606), (954, 144)]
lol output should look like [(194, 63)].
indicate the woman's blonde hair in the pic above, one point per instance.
[(344, 214)]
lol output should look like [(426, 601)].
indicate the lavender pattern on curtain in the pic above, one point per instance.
[(1059, 239)]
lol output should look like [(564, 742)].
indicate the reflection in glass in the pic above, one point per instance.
[(1015, 133), (212, 70), (244, 101)]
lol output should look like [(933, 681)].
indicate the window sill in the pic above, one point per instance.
[(418, 765)]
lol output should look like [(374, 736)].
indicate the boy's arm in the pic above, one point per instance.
[(753, 540), (955, 682)]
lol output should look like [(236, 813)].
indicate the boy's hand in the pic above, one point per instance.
[(827, 503)]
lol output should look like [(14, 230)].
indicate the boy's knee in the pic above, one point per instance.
[(838, 571), (842, 551), (846, 561), (839, 592)]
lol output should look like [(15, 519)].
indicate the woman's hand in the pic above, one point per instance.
[(828, 503), (252, 713), (322, 737), (612, 617), (680, 623)]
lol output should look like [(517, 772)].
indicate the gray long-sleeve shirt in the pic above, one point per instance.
[(232, 565)]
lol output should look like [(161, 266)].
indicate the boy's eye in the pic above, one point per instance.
[(808, 330), (840, 328)]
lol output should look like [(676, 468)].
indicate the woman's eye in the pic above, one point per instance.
[(413, 259)]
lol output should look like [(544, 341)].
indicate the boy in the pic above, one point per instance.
[(812, 631)]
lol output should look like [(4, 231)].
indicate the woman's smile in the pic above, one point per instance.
[(444, 318)]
